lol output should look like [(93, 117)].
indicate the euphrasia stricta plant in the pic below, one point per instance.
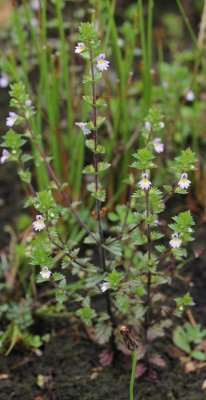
[(132, 256)]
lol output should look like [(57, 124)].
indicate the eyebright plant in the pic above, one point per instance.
[(128, 256)]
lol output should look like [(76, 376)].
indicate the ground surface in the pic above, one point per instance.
[(71, 365)]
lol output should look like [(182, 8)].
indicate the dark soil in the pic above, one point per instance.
[(71, 365)]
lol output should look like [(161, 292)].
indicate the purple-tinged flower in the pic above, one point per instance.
[(102, 64), (28, 102), (145, 183), (39, 224), (34, 22), (83, 127), (4, 80), (175, 242), (45, 273), (158, 145), (104, 286), (5, 155), (148, 126), (190, 96), (35, 5), (11, 119), (80, 48), (184, 183)]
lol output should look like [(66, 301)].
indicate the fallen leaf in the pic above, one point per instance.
[(155, 359), (204, 385), (141, 369), (106, 357), (4, 376)]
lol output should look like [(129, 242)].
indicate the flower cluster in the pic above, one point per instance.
[(102, 63)]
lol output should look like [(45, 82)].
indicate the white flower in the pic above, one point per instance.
[(28, 102), (10, 121), (148, 126), (104, 286), (4, 80), (184, 183), (35, 5), (190, 96), (45, 273), (80, 47), (83, 127), (175, 242), (102, 64), (5, 155), (158, 145), (144, 183), (39, 224), (161, 125), (34, 22)]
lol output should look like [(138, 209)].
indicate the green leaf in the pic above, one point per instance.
[(13, 140), (103, 166), (198, 355), (86, 314), (144, 159), (180, 340), (89, 169), (186, 161), (114, 278), (25, 176)]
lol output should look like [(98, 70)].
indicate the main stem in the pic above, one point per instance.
[(98, 202), (133, 375), (96, 160), (147, 303)]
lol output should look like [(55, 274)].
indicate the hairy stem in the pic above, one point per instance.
[(96, 160), (147, 303), (98, 202)]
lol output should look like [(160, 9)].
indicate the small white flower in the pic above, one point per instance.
[(184, 183), (79, 48), (104, 286), (45, 273), (83, 127), (190, 96), (34, 22), (145, 183), (102, 64), (11, 119), (5, 155), (4, 80), (39, 224), (148, 126), (35, 5), (161, 125), (158, 145), (28, 102), (175, 242)]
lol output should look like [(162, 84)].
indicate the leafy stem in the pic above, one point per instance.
[(57, 182), (147, 303), (96, 160)]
